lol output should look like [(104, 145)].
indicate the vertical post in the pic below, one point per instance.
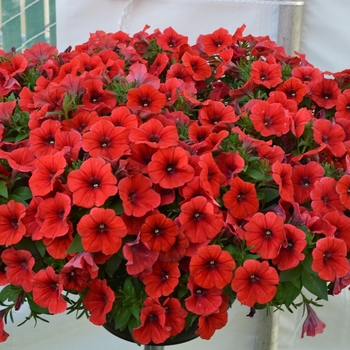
[(267, 330), (289, 26), (11, 24), (35, 22), (154, 347), (52, 18)]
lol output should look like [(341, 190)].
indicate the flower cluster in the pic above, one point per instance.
[(149, 183)]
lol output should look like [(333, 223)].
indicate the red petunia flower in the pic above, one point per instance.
[(309, 75), (53, 214), (304, 178), (12, 228), (208, 324), (329, 258), (325, 93), (217, 41), (19, 267), (48, 169), (163, 279), (330, 134), (298, 121), (47, 291), (101, 231), (291, 251), (121, 116), (177, 251), (70, 143), (96, 98), (282, 175), (203, 301), (99, 301), (342, 224), (159, 232), (170, 40), (155, 134), (343, 189), (255, 282), (137, 195), (42, 140), (241, 200), (312, 324), (325, 197), (196, 66), (106, 140), (270, 118), (266, 74), (146, 98), (212, 267), (198, 220), (57, 247), (293, 88), (229, 163), (153, 327), (3, 335), (343, 105), (92, 184), (139, 257), (82, 121), (175, 315), (169, 167), (21, 159), (211, 177), (265, 234)]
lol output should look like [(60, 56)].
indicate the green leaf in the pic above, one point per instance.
[(256, 175), (291, 274), (3, 189), (9, 293), (314, 284), (17, 198), (112, 264), (36, 308), (129, 288), (122, 317), (269, 194), (290, 293), (76, 246), (23, 192), (40, 246), (135, 310)]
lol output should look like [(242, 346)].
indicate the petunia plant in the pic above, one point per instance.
[(148, 183)]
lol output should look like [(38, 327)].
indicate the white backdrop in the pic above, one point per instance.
[(325, 40)]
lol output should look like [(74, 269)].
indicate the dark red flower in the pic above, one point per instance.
[(153, 327), (266, 74), (159, 232), (106, 140), (212, 267), (325, 197), (282, 175), (265, 234), (169, 167), (241, 200), (48, 169), (312, 324), (99, 301), (270, 118), (329, 258), (146, 98), (203, 301), (304, 178), (198, 221), (255, 282), (290, 253), (137, 195), (47, 291), (92, 184), (12, 228), (19, 267), (196, 66), (343, 189), (101, 231), (163, 279)]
